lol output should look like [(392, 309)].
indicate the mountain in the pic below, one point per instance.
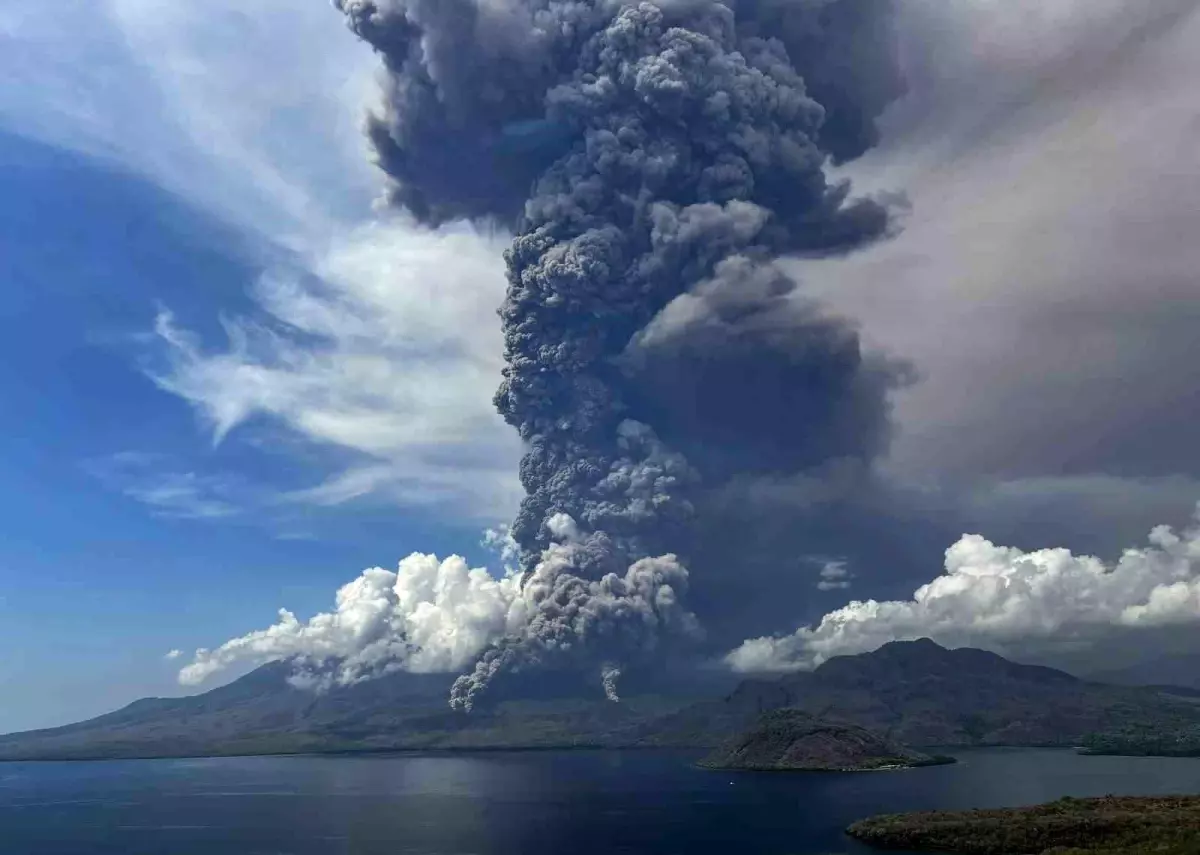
[(916, 693), (922, 694), (1177, 669), (262, 713), (793, 740)]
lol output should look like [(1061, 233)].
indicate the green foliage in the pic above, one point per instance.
[(1145, 740), (1107, 826)]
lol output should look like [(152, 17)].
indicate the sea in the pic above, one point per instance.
[(515, 803)]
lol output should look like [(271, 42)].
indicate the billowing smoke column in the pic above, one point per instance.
[(609, 675), (653, 158)]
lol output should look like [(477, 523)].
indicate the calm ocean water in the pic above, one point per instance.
[(576, 803)]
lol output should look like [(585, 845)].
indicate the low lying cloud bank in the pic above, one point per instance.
[(440, 616), (429, 616), (1003, 598), (436, 616)]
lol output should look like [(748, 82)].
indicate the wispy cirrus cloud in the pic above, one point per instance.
[(372, 342), (191, 96), (184, 495), (170, 490), (386, 352)]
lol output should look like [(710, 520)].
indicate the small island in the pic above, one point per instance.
[(1167, 825), (790, 740)]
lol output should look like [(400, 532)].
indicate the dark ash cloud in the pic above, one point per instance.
[(743, 374), (654, 159), (696, 307), (464, 131), (1044, 284)]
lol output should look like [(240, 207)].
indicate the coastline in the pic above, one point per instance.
[(1113, 825)]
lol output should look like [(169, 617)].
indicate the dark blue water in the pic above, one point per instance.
[(577, 803)]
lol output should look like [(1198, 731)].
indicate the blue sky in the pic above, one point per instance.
[(229, 383), (127, 531), (165, 249)]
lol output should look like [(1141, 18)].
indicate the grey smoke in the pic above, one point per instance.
[(739, 369), (464, 131), (1049, 312), (609, 675), (654, 159)]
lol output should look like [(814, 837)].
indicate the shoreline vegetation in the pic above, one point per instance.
[(939, 760), (1145, 742), (1162, 825)]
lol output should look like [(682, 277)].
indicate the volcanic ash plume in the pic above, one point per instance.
[(609, 676), (653, 159)]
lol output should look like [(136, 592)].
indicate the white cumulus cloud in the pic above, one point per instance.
[(1002, 598), (438, 616), (429, 616)]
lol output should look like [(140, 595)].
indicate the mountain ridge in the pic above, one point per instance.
[(925, 695), (916, 693), (1181, 670)]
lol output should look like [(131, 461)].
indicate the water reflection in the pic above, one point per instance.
[(583, 803)]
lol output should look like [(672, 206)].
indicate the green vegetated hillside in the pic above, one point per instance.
[(914, 693), (1106, 826), (1146, 741), (793, 740), (921, 694)]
